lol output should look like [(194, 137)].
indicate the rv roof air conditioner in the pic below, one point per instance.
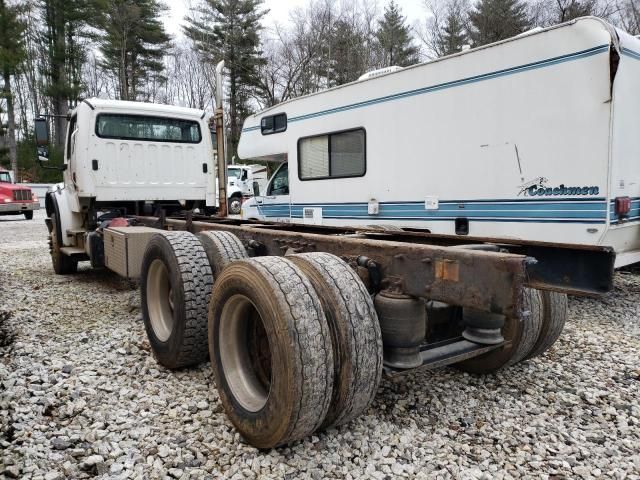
[(380, 71)]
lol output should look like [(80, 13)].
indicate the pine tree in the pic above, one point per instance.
[(65, 25), (133, 43), (394, 39), (228, 30), (12, 53), (495, 20), (346, 54), (454, 34)]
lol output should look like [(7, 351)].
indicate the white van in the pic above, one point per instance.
[(535, 137)]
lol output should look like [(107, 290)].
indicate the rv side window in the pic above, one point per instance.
[(334, 155), (273, 124)]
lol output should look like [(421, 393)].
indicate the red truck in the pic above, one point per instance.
[(16, 199)]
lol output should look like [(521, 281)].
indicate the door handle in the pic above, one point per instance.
[(205, 169), (94, 164)]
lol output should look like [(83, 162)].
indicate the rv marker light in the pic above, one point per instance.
[(623, 206)]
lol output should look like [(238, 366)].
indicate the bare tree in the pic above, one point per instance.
[(628, 15)]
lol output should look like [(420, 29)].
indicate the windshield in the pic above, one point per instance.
[(234, 172), (4, 177)]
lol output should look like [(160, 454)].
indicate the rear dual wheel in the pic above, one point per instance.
[(295, 346), (544, 316)]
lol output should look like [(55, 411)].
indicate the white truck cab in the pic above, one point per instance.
[(126, 158), (240, 183)]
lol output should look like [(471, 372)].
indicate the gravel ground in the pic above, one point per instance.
[(80, 396)]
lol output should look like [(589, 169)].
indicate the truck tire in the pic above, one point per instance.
[(521, 333), (28, 215), (222, 248), (554, 317), (235, 205), (355, 334), (62, 264), (270, 349), (175, 288)]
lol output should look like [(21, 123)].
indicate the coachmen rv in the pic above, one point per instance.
[(535, 138)]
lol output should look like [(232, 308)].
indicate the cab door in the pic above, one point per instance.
[(275, 206)]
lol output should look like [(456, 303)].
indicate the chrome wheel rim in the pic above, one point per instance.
[(159, 301), (245, 378), (235, 207)]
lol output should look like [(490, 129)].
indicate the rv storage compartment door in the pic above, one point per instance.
[(124, 248)]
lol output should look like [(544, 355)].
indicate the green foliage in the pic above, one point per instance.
[(133, 43), (347, 59), (495, 20), (229, 30), (65, 23), (394, 39), (12, 50), (454, 33)]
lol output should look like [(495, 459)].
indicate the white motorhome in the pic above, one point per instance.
[(531, 138)]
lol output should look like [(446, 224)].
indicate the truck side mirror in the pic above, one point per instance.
[(256, 189), (42, 139)]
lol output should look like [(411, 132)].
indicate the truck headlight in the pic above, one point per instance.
[(6, 200), (34, 197)]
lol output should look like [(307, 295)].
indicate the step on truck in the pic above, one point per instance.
[(300, 321)]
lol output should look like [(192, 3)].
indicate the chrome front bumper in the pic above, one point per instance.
[(18, 207)]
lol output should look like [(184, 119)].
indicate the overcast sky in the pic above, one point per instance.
[(413, 10)]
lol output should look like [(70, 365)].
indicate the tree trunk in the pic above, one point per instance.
[(59, 78), (11, 130)]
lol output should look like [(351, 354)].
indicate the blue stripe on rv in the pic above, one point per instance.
[(565, 211), (454, 83), (630, 53)]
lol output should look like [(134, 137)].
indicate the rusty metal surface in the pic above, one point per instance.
[(488, 281), (567, 268)]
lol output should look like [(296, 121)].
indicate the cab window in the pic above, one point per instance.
[(143, 127), (73, 125), (280, 183)]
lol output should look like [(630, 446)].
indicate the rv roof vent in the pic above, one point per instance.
[(529, 32), (380, 71)]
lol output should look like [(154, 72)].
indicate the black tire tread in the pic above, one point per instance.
[(197, 282), (555, 307), (64, 265), (313, 343), (355, 317), (222, 248), (302, 329), (532, 323)]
